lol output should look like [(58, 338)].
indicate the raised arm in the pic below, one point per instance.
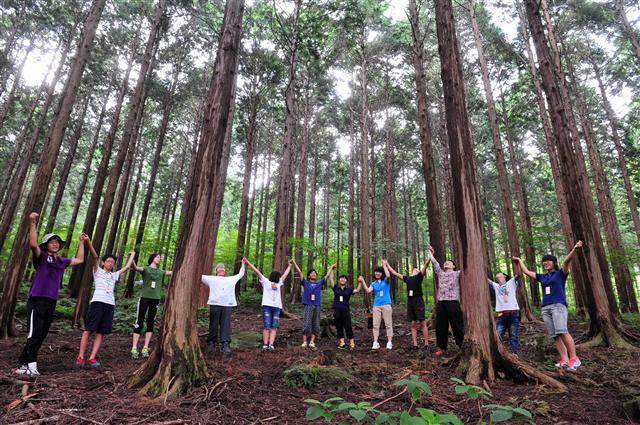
[(391, 270), (170, 272), (79, 258), (240, 274), (364, 285), (330, 271), (436, 265), (252, 267), (286, 272), (524, 268), (33, 234), (566, 264), (331, 281), (92, 254), (295, 265), (136, 267), (127, 266), (359, 287), (424, 268), (386, 270)]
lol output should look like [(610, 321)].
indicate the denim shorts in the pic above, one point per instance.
[(555, 317), (270, 317)]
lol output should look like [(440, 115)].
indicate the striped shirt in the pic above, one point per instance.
[(448, 282), (105, 283)]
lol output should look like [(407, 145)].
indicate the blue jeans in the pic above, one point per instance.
[(510, 321), (270, 317)]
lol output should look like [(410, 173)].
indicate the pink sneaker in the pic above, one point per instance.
[(563, 363), (574, 364)]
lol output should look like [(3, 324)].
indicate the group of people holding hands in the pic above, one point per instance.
[(49, 270)]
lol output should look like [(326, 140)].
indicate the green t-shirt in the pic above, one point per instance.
[(152, 283)]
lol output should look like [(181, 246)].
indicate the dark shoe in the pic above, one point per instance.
[(211, 348), (226, 348)]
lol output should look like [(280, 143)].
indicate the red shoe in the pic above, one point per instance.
[(574, 364)]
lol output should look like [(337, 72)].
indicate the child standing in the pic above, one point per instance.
[(148, 303), (415, 303), (382, 309), (554, 305), (311, 298), (507, 309), (43, 294), (271, 303), (341, 311), (222, 300), (100, 315), (448, 311)]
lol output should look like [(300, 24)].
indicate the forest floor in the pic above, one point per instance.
[(249, 387)]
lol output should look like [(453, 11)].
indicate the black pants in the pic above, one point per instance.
[(342, 319), (39, 316), (449, 313), (146, 307), (219, 323)]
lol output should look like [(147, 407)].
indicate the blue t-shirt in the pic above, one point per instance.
[(341, 296), (553, 287), (382, 291), (312, 292)]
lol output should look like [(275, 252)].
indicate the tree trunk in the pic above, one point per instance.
[(265, 214), (312, 211), (302, 196), (481, 347), (503, 178), (8, 104), (365, 230), (629, 31), (40, 183), (352, 201), (66, 168), (127, 146), (177, 362), (281, 223), (623, 279), (605, 327), (390, 208)]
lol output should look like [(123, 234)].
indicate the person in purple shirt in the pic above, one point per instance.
[(43, 294), (554, 305), (311, 297)]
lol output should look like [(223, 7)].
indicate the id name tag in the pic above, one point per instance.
[(547, 290), (411, 292), (313, 297), (153, 285), (341, 298), (381, 294)]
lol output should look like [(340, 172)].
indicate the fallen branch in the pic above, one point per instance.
[(261, 421), (38, 421), (72, 415), (375, 406)]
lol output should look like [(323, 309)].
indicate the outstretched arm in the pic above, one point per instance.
[(391, 270), (436, 265), (330, 271), (33, 234), (359, 287), (524, 268), (364, 285), (136, 267), (255, 270), (129, 263), (295, 265), (331, 281), (286, 271), (386, 270), (79, 258), (93, 254), (424, 268), (566, 264)]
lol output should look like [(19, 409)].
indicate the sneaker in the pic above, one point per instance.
[(80, 362), (342, 345), (375, 346), (134, 353), (389, 345), (94, 363), (312, 345), (562, 364), (271, 348), (145, 352), (574, 364), (265, 347), (30, 369), (352, 345), (304, 345), (226, 348)]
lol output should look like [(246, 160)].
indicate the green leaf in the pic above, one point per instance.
[(382, 418), (449, 419), (333, 400), (314, 412), (313, 402), (358, 414), (523, 412), (425, 388), (344, 406), (501, 415)]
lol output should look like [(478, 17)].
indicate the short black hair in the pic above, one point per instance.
[(343, 275), (378, 269), (309, 272), (107, 256), (275, 276), (551, 257), (151, 257)]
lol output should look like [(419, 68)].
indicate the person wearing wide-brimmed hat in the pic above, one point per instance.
[(43, 294)]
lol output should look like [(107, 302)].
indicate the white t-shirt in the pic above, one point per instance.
[(506, 295), (222, 289), (270, 296), (105, 283)]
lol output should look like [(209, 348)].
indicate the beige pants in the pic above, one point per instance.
[(383, 312)]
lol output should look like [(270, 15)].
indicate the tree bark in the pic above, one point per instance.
[(11, 97), (604, 325), (481, 347), (629, 31), (390, 208), (40, 183), (365, 229), (177, 362)]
